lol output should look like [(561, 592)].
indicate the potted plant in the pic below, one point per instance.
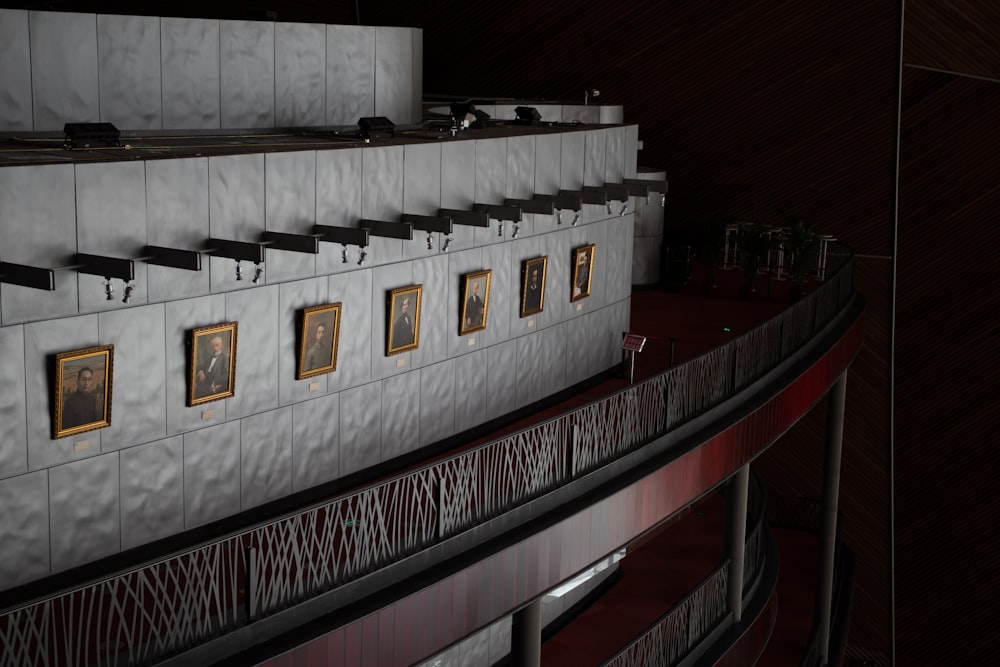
[(801, 252), (753, 241)]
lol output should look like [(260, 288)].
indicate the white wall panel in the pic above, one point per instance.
[(350, 73), (520, 178), (236, 212), (422, 193), (432, 273), (128, 52), (246, 64), (177, 217), (265, 457), (530, 371), (471, 375), (437, 402), (139, 393), (505, 295), (190, 73), (400, 415), (256, 384), (475, 650), (211, 473), (491, 184), (63, 69), (15, 71), (458, 186), (111, 220), (38, 228), (596, 147), (290, 206), (382, 199), (501, 379), (354, 357), (84, 518), (180, 318), (41, 340), (299, 74), (614, 159), (24, 528), (360, 427), (572, 158), (631, 150), (14, 444), (338, 202), (552, 366), (394, 74), (315, 442), (152, 491)]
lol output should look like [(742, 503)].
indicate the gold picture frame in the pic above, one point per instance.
[(82, 388), (403, 331), (211, 367), (319, 336), (533, 285), (475, 301), (583, 270)]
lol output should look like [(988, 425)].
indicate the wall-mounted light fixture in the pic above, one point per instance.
[(430, 224), (590, 92)]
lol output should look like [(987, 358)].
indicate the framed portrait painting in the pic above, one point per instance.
[(533, 285), (583, 267), (475, 301), (319, 334), (403, 330), (212, 363), (82, 390)]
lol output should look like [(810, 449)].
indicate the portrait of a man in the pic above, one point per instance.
[(475, 301), (404, 319), (83, 390), (583, 263), (533, 286), (319, 334), (213, 363)]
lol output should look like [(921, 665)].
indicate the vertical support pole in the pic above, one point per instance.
[(831, 493), (526, 635), (673, 344), (736, 535)]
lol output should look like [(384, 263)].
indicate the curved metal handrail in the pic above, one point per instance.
[(164, 607)]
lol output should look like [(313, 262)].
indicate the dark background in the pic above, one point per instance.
[(803, 106)]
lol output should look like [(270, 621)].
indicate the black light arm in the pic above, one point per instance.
[(566, 200), (106, 267), (469, 218), (429, 223), (241, 251), (307, 243), (543, 206), (343, 235), (28, 276), (392, 230), (500, 211)]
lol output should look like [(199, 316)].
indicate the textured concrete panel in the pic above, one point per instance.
[(401, 414), (614, 160), (579, 113), (41, 341), (246, 65), (266, 456), (111, 220), (394, 74), (631, 150), (360, 427), (548, 150), (625, 282), (291, 208), (128, 53), (211, 474), (256, 387), (521, 167), (417, 72), (140, 404), (572, 160), (24, 528), (617, 272), (299, 74), (422, 194), (552, 367), (460, 263), (63, 69), (293, 297), (437, 402), (646, 260), (315, 442), (190, 73), (177, 217), (181, 317), (458, 186), (476, 649), (382, 198), (152, 491), (500, 639), (432, 273), (350, 74), (338, 203), (84, 518), (236, 212), (384, 280), (505, 295), (530, 368), (38, 228), (13, 415), (501, 379), (354, 359), (596, 146), (15, 71), (491, 185)]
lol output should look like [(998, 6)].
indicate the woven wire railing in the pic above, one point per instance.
[(165, 607)]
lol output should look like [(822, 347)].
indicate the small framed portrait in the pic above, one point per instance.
[(403, 332), (533, 285), (319, 333), (82, 390), (475, 301), (583, 267), (212, 363)]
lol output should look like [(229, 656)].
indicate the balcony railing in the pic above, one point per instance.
[(165, 607)]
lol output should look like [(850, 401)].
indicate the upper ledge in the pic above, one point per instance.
[(35, 148)]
